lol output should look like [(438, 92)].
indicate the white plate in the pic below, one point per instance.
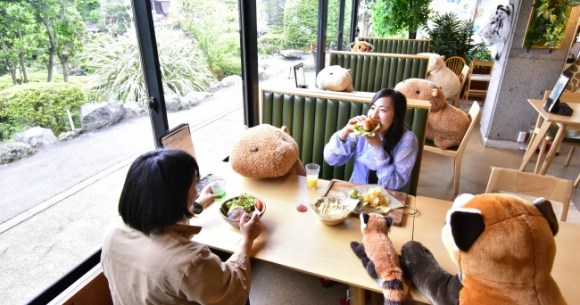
[(363, 189)]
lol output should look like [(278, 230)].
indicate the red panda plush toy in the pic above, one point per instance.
[(379, 257)]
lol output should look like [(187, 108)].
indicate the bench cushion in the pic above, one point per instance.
[(399, 46), (372, 72)]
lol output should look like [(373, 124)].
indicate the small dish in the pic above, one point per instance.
[(235, 221), (393, 203), (332, 211)]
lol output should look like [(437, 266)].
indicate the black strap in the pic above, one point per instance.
[(372, 177)]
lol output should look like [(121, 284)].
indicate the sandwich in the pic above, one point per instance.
[(368, 127)]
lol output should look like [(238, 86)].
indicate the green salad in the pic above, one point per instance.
[(244, 200)]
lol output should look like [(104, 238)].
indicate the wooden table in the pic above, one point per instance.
[(292, 239), (545, 120), (566, 269)]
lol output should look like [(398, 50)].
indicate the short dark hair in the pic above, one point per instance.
[(156, 188), (397, 129)]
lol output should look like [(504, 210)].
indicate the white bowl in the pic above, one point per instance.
[(335, 212)]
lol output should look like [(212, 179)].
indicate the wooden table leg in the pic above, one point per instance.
[(553, 149), (540, 156), (357, 295), (537, 140)]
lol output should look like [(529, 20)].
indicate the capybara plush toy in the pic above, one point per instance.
[(334, 78), (438, 73), (265, 151), (503, 247), (446, 124), (361, 46)]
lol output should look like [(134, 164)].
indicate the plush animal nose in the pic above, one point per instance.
[(253, 149)]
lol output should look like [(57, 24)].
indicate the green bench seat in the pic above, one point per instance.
[(372, 72), (398, 46), (312, 116)]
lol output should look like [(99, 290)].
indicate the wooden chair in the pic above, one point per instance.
[(568, 97), (455, 63), (179, 138), (480, 76), (462, 78), (549, 187), (457, 153)]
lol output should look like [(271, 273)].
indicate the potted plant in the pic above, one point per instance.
[(451, 36)]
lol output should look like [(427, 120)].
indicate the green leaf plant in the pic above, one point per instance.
[(548, 25)]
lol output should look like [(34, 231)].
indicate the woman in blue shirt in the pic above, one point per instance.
[(386, 157)]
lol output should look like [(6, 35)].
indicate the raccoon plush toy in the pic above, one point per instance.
[(496, 31), (379, 257)]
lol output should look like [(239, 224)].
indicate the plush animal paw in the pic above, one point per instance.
[(423, 271)]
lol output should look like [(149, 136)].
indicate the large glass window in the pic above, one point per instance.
[(71, 70), (62, 175)]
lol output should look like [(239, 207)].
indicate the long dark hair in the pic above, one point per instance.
[(395, 132), (156, 189)]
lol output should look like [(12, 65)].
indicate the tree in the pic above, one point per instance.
[(64, 29), (215, 28), (391, 17), (19, 35), (116, 17), (301, 22)]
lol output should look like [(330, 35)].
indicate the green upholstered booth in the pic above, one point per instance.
[(312, 116), (374, 71), (398, 46)]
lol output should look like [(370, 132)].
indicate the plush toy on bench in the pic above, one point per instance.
[(446, 124), (361, 46), (334, 78), (438, 73), (265, 151), (503, 247)]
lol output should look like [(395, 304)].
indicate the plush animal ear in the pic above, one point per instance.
[(351, 44), (371, 47), (389, 221), (365, 218), (545, 207), (466, 226), (434, 92)]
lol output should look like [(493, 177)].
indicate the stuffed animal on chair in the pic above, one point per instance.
[(504, 248), (361, 46), (334, 78), (446, 124), (379, 257), (265, 151), (496, 31), (438, 73)]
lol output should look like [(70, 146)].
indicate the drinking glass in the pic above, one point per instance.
[(312, 172), (218, 187)]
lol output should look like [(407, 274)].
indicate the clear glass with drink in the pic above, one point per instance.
[(218, 187), (312, 172)]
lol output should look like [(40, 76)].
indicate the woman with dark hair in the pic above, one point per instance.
[(384, 157), (149, 258)]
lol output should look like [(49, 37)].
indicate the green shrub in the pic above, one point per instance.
[(270, 43), (114, 66), (40, 77), (39, 104)]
